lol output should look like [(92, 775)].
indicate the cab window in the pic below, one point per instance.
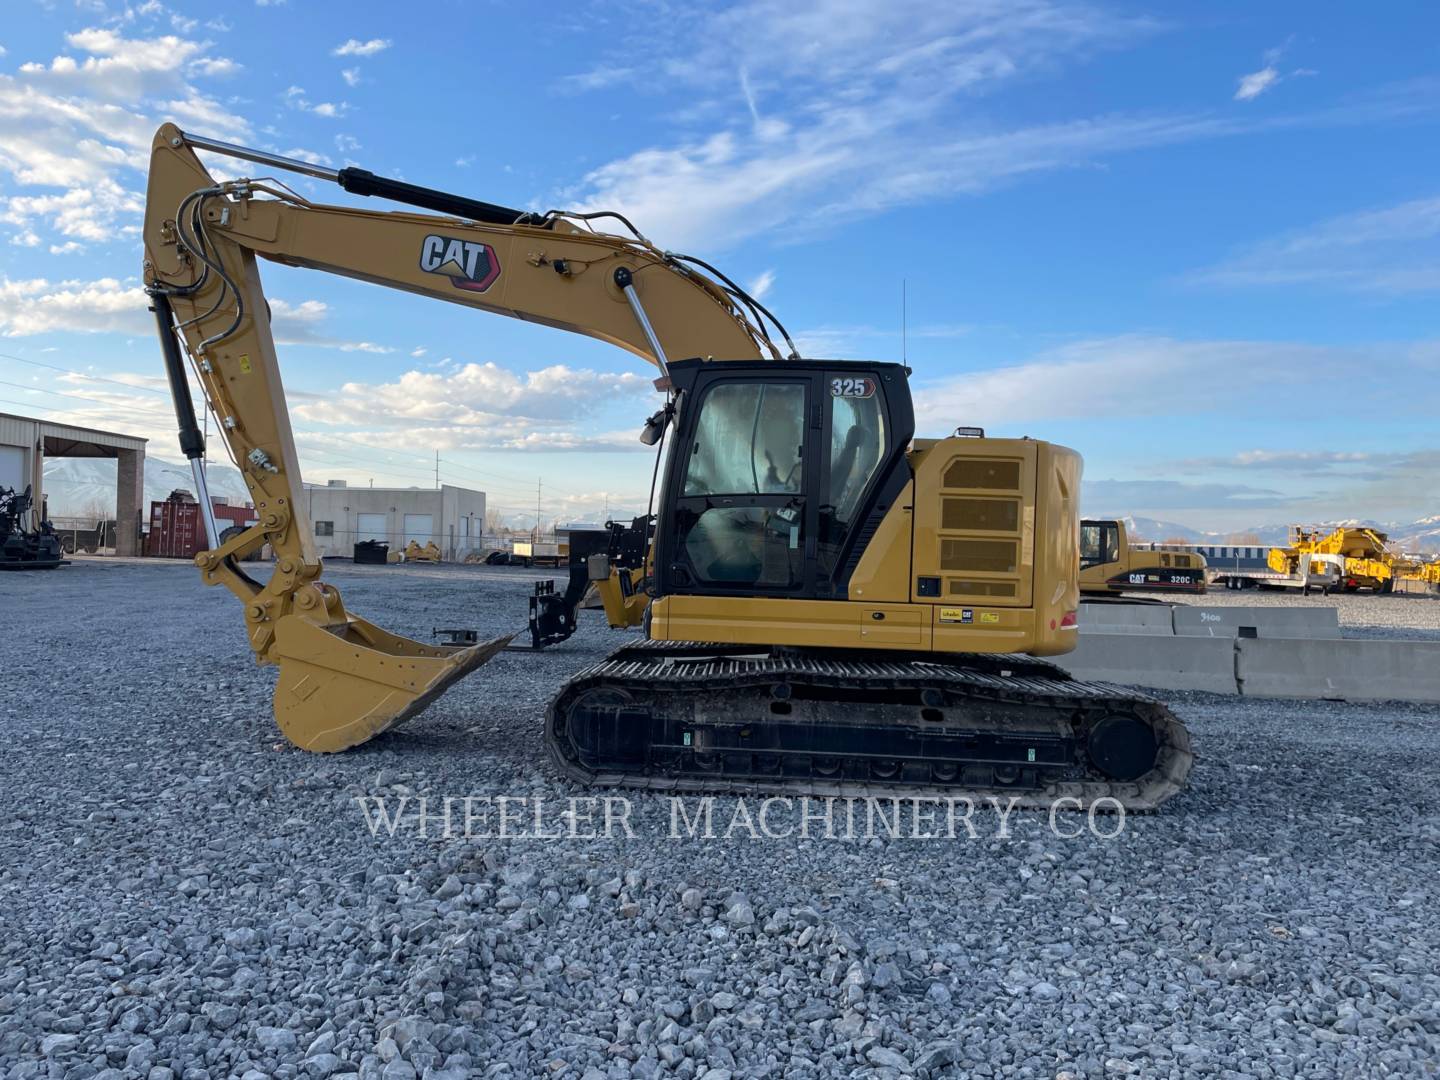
[(1099, 544), (749, 441)]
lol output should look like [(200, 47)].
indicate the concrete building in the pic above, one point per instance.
[(453, 517), (26, 442)]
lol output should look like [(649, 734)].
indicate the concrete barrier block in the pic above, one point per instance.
[(1415, 587), (1165, 662), (1351, 669), (1317, 623), (1110, 618)]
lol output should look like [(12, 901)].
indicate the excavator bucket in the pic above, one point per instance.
[(341, 685)]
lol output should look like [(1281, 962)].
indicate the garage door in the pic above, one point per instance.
[(419, 527), (12, 467), (370, 527)]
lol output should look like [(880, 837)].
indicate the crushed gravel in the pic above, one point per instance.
[(182, 895)]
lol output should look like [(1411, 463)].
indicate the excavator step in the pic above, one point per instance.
[(693, 717)]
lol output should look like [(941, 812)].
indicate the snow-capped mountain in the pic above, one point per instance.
[(1415, 536), (76, 487)]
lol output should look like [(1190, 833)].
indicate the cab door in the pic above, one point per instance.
[(739, 488)]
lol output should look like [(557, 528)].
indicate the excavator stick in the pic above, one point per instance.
[(342, 679)]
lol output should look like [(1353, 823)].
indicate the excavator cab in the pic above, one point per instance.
[(775, 471)]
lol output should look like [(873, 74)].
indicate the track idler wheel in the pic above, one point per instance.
[(1123, 747)]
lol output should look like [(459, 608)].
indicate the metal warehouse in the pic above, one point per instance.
[(26, 442), (453, 517)]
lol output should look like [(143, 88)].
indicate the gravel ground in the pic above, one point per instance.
[(1366, 614), (182, 895)]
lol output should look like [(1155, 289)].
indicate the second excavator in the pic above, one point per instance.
[(835, 606)]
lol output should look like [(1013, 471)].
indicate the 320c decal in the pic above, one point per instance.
[(469, 264)]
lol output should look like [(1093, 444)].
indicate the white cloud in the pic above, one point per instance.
[(867, 104), (355, 47), (597, 78), (1251, 86), (351, 76), (300, 324), (1156, 377), (760, 287), (1256, 83), (38, 306), (118, 68), (1120, 497), (477, 396), (300, 154), (109, 306), (215, 66), (418, 351), (296, 99), (84, 126), (847, 108), (1389, 250)]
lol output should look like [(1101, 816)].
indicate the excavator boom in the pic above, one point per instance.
[(343, 679)]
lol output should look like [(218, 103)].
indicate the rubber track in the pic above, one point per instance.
[(643, 667)]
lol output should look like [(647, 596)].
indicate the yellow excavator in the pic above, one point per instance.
[(835, 607), (1110, 565)]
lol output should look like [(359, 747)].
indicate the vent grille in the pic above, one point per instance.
[(961, 587), (982, 527), (983, 556), (980, 515), (985, 474)]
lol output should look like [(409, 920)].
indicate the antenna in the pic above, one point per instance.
[(904, 328)]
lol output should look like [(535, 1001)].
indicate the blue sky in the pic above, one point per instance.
[(1198, 243)]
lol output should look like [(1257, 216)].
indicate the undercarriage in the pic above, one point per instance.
[(681, 716)]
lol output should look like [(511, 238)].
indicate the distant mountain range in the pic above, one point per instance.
[(77, 487), (1421, 535)]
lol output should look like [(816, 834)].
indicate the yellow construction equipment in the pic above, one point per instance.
[(1109, 565), (1361, 556), (1427, 572), (860, 596), (415, 553)]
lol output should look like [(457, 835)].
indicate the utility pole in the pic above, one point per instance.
[(437, 470), (537, 510)]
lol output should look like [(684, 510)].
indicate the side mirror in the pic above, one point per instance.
[(655, 427)]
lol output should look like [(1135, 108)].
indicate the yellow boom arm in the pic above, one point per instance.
[(343, 679)]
